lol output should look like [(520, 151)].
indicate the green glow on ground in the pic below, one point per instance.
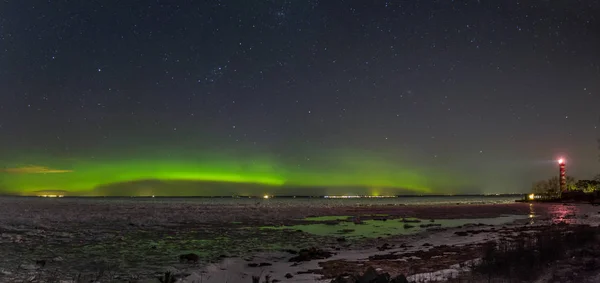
[(344, 171), (375, 228)]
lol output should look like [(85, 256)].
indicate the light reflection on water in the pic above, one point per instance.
[(570, 213)]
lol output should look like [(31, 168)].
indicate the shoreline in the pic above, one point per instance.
[(73, 237), (434, 255)]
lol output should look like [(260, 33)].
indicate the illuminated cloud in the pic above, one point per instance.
[(35, 170)]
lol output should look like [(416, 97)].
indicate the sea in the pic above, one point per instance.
[(325, 201)]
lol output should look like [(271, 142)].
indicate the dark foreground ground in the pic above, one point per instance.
[(42, 240)]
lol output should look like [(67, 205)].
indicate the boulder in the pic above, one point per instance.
[(311, 254)]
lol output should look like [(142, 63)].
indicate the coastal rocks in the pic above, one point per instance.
[(384, 247), (399, 279), (370, 276), (344, 279), (468, 232), (40, 262), (262, 264), (311, 254), (189, 258)]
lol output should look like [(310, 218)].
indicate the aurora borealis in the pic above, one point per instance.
[(295, 97), (341, 173)]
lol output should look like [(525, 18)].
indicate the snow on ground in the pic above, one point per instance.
[(236, 270), (145, 236)]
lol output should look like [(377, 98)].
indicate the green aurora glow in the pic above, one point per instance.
[(337, 172)]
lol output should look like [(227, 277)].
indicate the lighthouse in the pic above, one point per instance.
[(562, 175)]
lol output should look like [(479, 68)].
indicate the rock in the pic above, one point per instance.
[(344, 279), (264, 264), (311, 254), (427, 245), (341, 239), (291, 251), (252, 264), (40, 262), (382, 278), (399, 279), (369, 276), (288, 275), (461, 233), (385, 246), (191, 257)]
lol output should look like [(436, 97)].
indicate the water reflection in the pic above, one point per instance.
[(378, 228), (531, 214)]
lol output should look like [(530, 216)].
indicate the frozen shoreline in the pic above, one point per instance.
[(237, 270), (143, 239)]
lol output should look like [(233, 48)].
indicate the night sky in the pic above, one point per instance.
[(291, 97)]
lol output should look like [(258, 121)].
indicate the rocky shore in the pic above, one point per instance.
[(126, 241)]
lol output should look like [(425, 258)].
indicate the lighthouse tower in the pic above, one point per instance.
[(562, 176)]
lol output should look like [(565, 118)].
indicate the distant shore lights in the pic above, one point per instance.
[(51, 196), (562, 175), (359, 196)]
